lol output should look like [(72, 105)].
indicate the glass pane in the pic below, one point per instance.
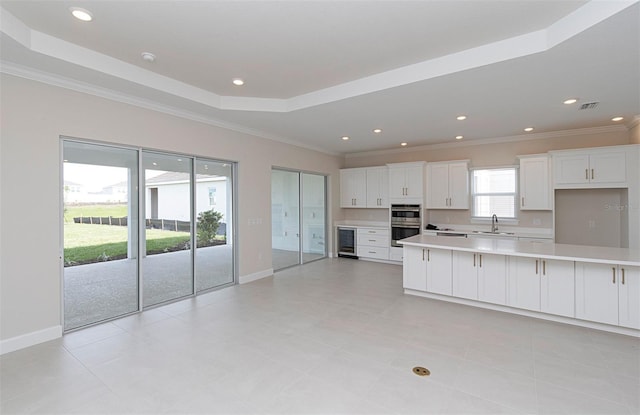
[(167, 264), (100, 233), (494, 181), (313, 217), (214, 198), (285, 224), (502, 206)]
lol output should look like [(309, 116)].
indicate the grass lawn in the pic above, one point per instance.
[(117, 211)]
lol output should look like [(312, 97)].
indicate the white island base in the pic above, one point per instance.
[(585, 286)]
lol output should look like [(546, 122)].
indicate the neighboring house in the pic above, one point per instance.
[(77, 193), (167, 196)]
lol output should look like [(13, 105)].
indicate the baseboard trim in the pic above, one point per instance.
[(243, 279), (30, 339)]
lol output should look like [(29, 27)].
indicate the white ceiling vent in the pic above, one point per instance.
[(589, 105)]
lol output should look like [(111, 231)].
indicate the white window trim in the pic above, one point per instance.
[(482, 219)]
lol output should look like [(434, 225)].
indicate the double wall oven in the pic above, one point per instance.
[(406, 221)]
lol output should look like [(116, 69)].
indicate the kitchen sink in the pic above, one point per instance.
[(493, 233)]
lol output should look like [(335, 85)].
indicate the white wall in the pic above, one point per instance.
[(35, 115)]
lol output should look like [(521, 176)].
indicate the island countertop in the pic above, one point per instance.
[(492, 245)]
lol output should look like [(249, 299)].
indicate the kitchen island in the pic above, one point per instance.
[(595, 287)]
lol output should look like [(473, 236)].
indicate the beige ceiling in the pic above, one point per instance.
[(318, 70)]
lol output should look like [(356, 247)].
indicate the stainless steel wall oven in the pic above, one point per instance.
[(406, 221)]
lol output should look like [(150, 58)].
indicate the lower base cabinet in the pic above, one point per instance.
[(608, 294), (545, 285), (427, 269), (414, 268), (480, 276)]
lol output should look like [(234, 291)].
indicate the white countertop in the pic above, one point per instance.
[(491, 245), (361, 224)]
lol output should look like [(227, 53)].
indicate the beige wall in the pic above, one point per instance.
[(634, 136), (35, 115)]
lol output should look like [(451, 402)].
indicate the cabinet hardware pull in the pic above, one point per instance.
[(372, 240), (372, 252), (622, 276), (614, 274), (522, 200), (586, 174), (423, 254), (544, 267), (480, 260), (428, 255), (474, 260), (536, 267), (591, 174)]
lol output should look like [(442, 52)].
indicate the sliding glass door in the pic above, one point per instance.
[(298, 217), (100, 233), (116, 264)]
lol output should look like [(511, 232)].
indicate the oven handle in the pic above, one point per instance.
[(405, 226)]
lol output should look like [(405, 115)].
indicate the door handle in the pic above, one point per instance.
[(592, 174), (586, 174), (622, 269), (544, 267), (423, 254), (614, 274), (474, 260), (428, 255), (480, 260), (536, 267)]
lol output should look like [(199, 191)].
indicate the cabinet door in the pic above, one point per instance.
[(524, 283), (458, 186), (465, 275), (608, 167), (437, 186), (492, 278), (557, 287), (571, 169), (629, 296), (397, 183), (377, 187), (439, 271), (534, 184), (353, 188), (415, 181), (414, 268), (597, 292)]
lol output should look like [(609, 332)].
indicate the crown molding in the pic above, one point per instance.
[(493, 140), (32, 74)]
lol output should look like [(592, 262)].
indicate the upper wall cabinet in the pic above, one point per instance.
[(353, 188), (535, 186), (377, 187), (448, 185), (364, 187), (600, 167), (406, 182)]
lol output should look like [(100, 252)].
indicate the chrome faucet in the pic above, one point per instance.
[(494, 223)]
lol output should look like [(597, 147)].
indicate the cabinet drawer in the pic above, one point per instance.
[(372, 232), (374, 240), (373, 252)]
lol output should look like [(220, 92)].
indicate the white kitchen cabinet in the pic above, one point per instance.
[(373, 243), (629, 296), (542, 285), (595, 168), (597, 292), (427, 269), (414, 268), (465, 275), (353, 188), (377, 187), (448, 185), (406, 182), (480, 276), (535, 187), (439, 271)]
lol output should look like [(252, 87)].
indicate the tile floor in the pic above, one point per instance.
[(333, 336)]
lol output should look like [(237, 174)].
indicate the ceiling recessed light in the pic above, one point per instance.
[(403, 144), (528, 129), (461, 117), (148, 56), (81, 14), (377, 131), (617, 119), (345, 138), (155, 164), (459, 137), (570, 101), (238, 82)]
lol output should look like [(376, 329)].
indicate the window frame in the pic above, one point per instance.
[(516, 194)]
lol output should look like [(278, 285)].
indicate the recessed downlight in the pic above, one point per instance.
[(403, 144), (345, 138), (81, 14), (570, 101), (461, 117), (377, 130), (459, 137), (238, 82), (617, 119), (528, 129), (148, 57)]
